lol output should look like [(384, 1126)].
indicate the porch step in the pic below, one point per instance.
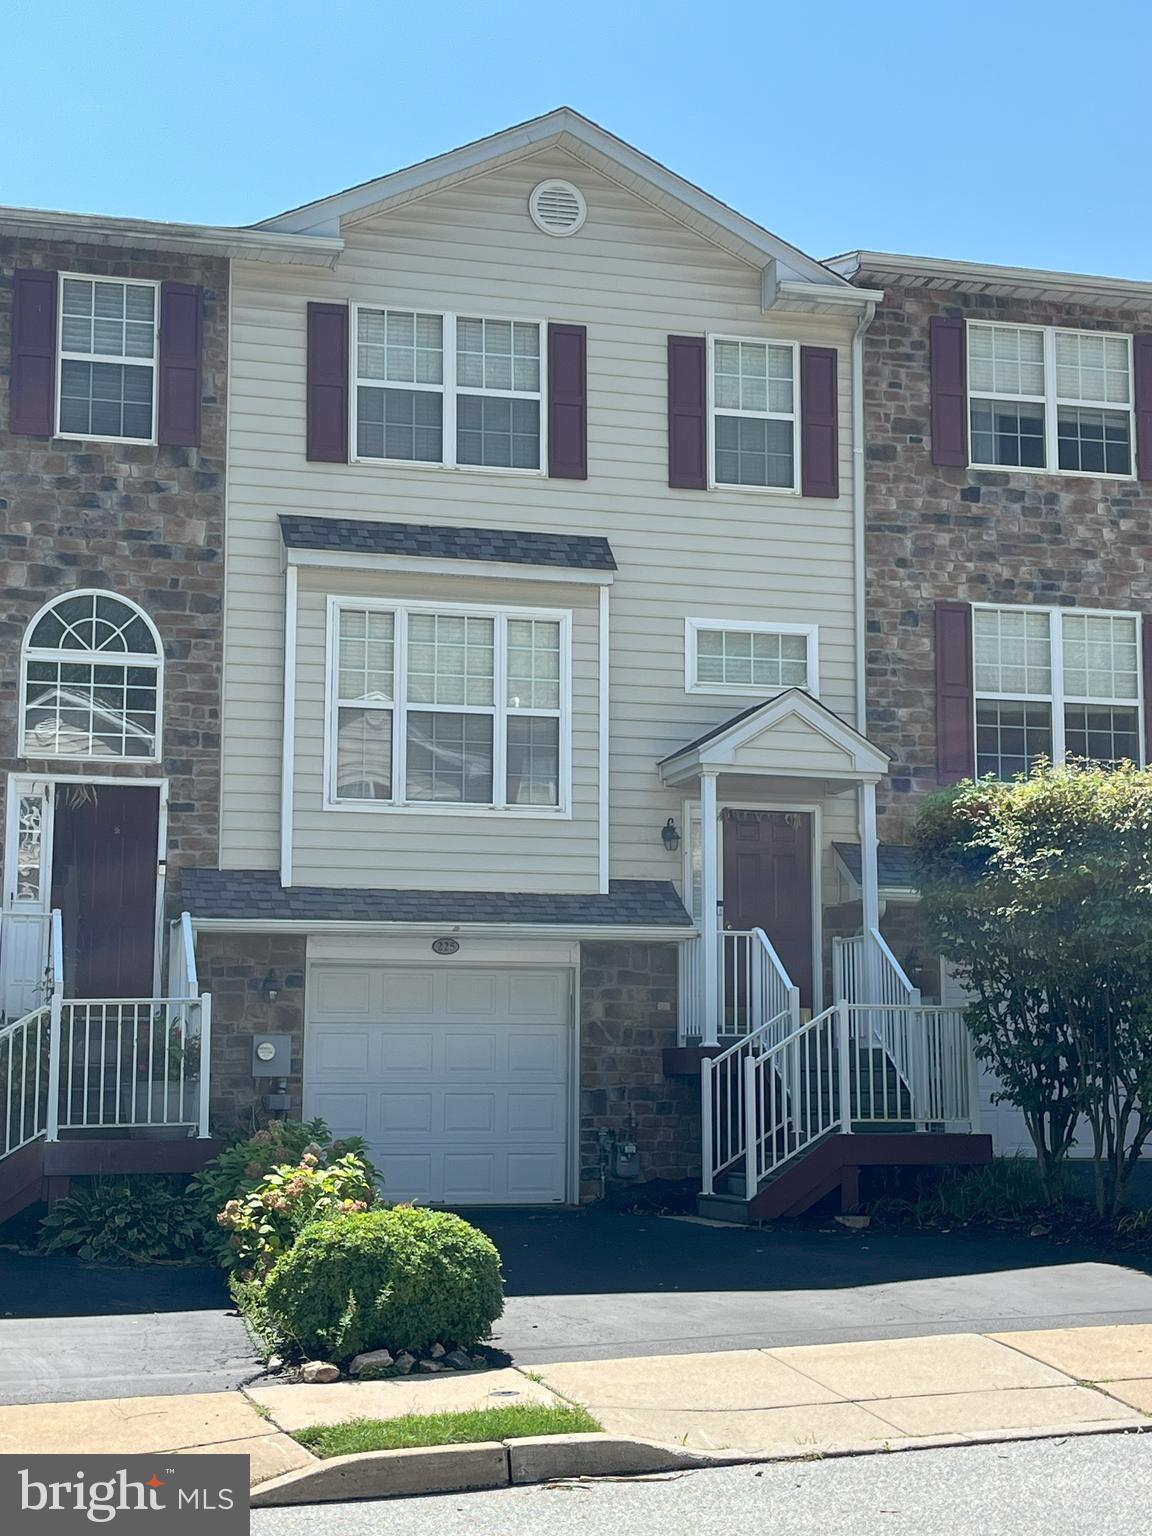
[(40, 1171), (833, 1165)]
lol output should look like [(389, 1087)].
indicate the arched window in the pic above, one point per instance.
[(92, 678)]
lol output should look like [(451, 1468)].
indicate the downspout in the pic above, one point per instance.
[(859, 486)]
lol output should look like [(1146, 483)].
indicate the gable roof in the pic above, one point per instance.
[(951, 276), (602, 151), (716, 748)]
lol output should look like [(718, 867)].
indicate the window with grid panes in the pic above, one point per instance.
[(448, 389), (447, 707), (108, 331), (92, 676), (757, 660), (1054, 684), (753, 414), (1048, 398)]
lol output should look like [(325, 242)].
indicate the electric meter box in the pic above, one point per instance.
[(271, 1055)]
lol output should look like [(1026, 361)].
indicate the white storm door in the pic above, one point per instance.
[(459, 1080), (24, 916)]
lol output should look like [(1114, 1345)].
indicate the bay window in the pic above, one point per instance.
[(447, 706), (1056, 684)]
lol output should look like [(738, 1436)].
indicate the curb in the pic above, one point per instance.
[(545, 1458)]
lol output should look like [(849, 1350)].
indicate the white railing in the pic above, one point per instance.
[(772, 1095), (865, 964), (910, 1064), (793, 1095), (691, 990), (755, 986), (723, 1130), (24, 1074), (135, 1063)]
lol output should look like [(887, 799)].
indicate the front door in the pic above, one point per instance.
[(104, 853), (768, 884)]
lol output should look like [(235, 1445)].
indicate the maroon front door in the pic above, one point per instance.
[(104, 852), (768, 884)]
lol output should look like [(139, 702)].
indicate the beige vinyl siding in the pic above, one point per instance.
[(632, 276), (457, 850)]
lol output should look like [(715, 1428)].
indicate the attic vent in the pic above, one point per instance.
[(557, 207)]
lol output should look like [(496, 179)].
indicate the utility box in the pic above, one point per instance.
[(271, 1055)]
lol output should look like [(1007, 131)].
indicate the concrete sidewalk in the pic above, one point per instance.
[(806, 1400)]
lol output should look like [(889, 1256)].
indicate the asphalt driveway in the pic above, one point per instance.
[(582, 1285), (597, 1285)]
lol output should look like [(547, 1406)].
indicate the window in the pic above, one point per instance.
[(91, 680), (754, 415), (1043, 398), (448, 390), (749, 658), (448, 707), (1057, 685), (108, 331)]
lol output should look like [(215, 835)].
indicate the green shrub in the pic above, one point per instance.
[(237, 1170), (264, 1223), (396, 1279), (1008, 1189), (123, 1221)]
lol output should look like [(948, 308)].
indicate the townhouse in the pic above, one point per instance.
[(1009, 493)]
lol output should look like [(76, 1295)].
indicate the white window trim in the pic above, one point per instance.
[(1057, 698), (501, 713), (693, 626), (715, 484), (1052, 402), (113, 658), (449, 390), (90, 357)]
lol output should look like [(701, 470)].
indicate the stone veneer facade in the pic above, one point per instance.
[(233, 967), (627, 1019), (970, 535), (144, 521)]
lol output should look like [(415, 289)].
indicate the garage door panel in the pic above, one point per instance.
[(463, 1094), (405, 1112), (345, 1114), (474, 995), (403, 1051), (539, 996), (343, 1051), (408, 995), (469, 1112), (469, 1053), (345, 993)]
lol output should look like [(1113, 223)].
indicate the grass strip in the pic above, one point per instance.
[(512, 1422)]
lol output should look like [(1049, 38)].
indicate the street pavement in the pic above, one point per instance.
[(1072, 1487)]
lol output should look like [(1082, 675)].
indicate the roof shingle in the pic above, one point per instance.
[(357, 536), (253, 894)]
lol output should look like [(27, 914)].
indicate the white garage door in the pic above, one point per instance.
[(457, 1079)]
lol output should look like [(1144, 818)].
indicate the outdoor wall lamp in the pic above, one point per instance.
[(670, 836), (270, 987)]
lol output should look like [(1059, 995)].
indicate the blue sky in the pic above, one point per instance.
[(1012, 132)]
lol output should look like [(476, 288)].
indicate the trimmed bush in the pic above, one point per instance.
[(396, 1279)]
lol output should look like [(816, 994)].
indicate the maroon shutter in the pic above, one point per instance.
[(568, 402), (33, 386), (687, 404), (327, 386), (1146, 647), (955, 746), (1142, 394), (819, 431), (181, 367), (949, 391)]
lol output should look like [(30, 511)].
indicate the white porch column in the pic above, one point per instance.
[(869, 891), (709, 927)]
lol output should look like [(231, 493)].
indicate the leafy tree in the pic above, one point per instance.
[(1040, 894)]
